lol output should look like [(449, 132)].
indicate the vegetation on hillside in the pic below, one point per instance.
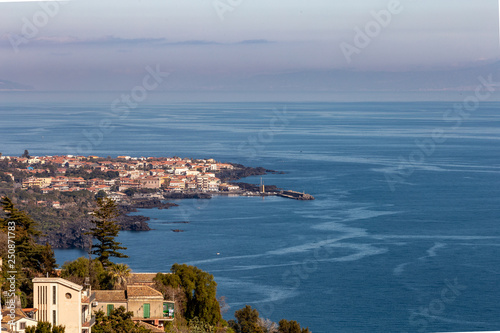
[(21, 252), (195, 292), (248, 321), (78, 270)]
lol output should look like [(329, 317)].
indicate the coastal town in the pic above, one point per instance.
[(84, 299), (168, 174), (59, 191)]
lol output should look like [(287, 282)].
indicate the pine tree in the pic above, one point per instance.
[(105, 231), (28, 258), (32, 256)]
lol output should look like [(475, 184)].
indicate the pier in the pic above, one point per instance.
[(295, 195)]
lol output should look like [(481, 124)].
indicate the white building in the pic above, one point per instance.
[(17, 322), (61, 302)]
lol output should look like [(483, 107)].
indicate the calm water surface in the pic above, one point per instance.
[(361, 257)]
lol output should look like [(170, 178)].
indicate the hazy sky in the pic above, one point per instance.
[(216, 44)]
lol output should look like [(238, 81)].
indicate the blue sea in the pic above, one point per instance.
[(404, 234)]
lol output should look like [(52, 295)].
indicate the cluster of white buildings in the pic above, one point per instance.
[(171, 174)]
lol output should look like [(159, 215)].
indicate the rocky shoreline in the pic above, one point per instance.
[(139, 222), (188, 195), (73, 220)]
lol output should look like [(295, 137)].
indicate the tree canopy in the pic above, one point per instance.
[(76, 271), (291, 326), (45, 327), (119, 274), (199, 289), (118, 321), (24, 254), (247, 321)]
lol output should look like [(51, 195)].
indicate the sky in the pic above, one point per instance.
[(269, 45)]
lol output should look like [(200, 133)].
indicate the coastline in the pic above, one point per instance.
[(139, 222), (59, 191)]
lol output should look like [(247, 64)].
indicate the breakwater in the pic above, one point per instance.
[(295, 195)]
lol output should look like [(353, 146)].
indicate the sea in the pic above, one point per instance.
[(404, 234)]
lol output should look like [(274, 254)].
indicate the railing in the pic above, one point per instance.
[(89, 323), (92, 298)]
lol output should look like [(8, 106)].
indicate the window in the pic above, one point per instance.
[(110, 308), (54, 296), (45, 301), (54, 317), (146, 310), (168, 310), (22, 326), (68, 295)]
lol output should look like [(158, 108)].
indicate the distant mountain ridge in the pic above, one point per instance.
[(13, 86), (332, 80), (455, 79), (460, 79)]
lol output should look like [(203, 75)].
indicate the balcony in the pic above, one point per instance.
[(89, 323), (88, 300)]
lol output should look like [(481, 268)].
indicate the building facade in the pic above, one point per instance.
[(61, 302), (146, 304)]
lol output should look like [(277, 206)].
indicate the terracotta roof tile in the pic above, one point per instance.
[(150, 327), (19, 314), (141, 278), (142, 291), (111, 296)]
